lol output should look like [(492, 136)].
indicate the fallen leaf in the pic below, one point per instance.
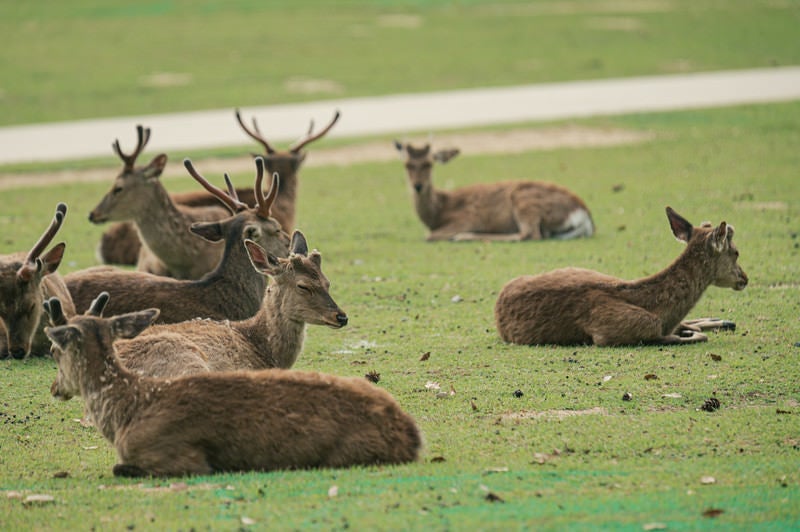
[(425, 356), (713, 512), (61, 474), (493, 497), (715, 358), (438, 459), (708, 480), (246, 521), (431, 385), (333, 491), (497, 470), (672, 395), (39, 499), (654, 526), (373, 376), (90, 448), (442, 395), (780, 411), (711, 404), (452, 390), (473, 405), (13, 495), (650, 377), (607, 378), (456, 299)]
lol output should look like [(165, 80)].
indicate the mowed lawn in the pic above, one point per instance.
[(515, 437)]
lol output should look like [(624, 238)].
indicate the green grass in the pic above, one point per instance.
[(626, 465), (93, 58)]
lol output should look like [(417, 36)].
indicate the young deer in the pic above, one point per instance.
[(510, 210), (229, 421), (26, 279), (233, 290), (163, 225), (286, 163), (574, 306), (273, 338)]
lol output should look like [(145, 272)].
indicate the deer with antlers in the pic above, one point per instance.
[(233, 290), (507, 211), (224, 421), (574, 306), (26, 279), (286, 163)]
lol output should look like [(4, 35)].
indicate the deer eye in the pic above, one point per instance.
[(116, 190), (304, 289), (426, 165)]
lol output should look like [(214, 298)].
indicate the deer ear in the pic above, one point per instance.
[(131, 324), (721, 237), (262, 261), (299, 245), (443, 156), (52, 258), (211, 231), (62, 335), (399, 146), (156, 166), (681, 227)]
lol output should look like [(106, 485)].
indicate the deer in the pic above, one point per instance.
[(298, 294), (506, 211), (286, 163), (26, 279), (224, 421), (138, 195), (574, 306), (233, 290)]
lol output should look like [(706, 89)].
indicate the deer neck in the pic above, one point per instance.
[(429, 205), (163, 226), (673, 292), (276, 337), (235, 274)]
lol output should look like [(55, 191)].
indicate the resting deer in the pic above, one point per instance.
[(509, 211), (574, 306), (273, 338), (286, 163), (229, 421), (161, 219), (233, 290), (26, 279)]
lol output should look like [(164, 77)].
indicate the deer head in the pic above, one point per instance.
[(715, 244), (300, 278), (419, 164), (285, 162), (133, 186), (20, 288)]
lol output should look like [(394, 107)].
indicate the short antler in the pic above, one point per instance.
[(255, 134), (55, 311), (311, 138), (264, 203), (97, 306), (231, 202), (129, 160), (31, 263)]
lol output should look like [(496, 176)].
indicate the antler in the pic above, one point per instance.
[(311, 138), (264, 203), (130, 160), (233, 203), (31, 263), (255, 134), (98, 304), (54, 310)]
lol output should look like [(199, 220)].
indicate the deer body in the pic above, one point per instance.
[(273, 338), (232, 291), (138, 195), (573, 306), (230, 421), (511, 210), (26, 280)]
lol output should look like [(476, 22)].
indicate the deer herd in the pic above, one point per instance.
[(184, 364)]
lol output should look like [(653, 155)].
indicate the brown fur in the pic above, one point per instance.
[(239, 421), (26, 280), (232, 291), (273, 338), (510, 211), (576, 306)]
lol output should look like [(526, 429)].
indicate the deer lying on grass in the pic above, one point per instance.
[(161, 219), (138, 195), (230, 421), (574, 306), (273, 338), (234, 290), (26, 279), (509, 211), (286, 163)]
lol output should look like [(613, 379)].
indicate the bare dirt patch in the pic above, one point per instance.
[(478, 143)]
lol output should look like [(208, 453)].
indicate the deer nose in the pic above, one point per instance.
[(18, 353), (418, 187), (341, 319)]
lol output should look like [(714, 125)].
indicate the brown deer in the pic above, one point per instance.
[(136, 192), (233, 290), (509, 210), (26, 279), (574, 306), (163, 225), (229, 421), (273, 338), (286, 163)]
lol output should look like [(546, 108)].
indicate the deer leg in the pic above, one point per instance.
[(707, 324), (617, 323)]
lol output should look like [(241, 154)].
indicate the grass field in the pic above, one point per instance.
[(568, 452), (95, 58)]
